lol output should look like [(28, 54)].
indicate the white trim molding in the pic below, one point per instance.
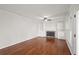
[(69, 46)]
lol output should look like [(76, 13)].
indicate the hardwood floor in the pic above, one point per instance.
[(38, 46)]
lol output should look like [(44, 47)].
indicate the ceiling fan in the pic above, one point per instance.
[(46, 18)]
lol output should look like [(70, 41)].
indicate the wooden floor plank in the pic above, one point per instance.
[(38, 46)]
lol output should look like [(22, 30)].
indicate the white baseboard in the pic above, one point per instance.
[(13, 43), (69, 46)]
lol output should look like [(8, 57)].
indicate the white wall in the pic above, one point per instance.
[(70, 27), (15, 28)]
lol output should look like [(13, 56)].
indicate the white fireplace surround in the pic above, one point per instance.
[(58, 27)]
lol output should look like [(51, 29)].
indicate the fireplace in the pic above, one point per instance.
[(50, 34)]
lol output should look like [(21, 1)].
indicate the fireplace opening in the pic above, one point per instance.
[(50, 34)]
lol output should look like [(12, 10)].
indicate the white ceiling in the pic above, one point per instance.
[(37, 10)]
